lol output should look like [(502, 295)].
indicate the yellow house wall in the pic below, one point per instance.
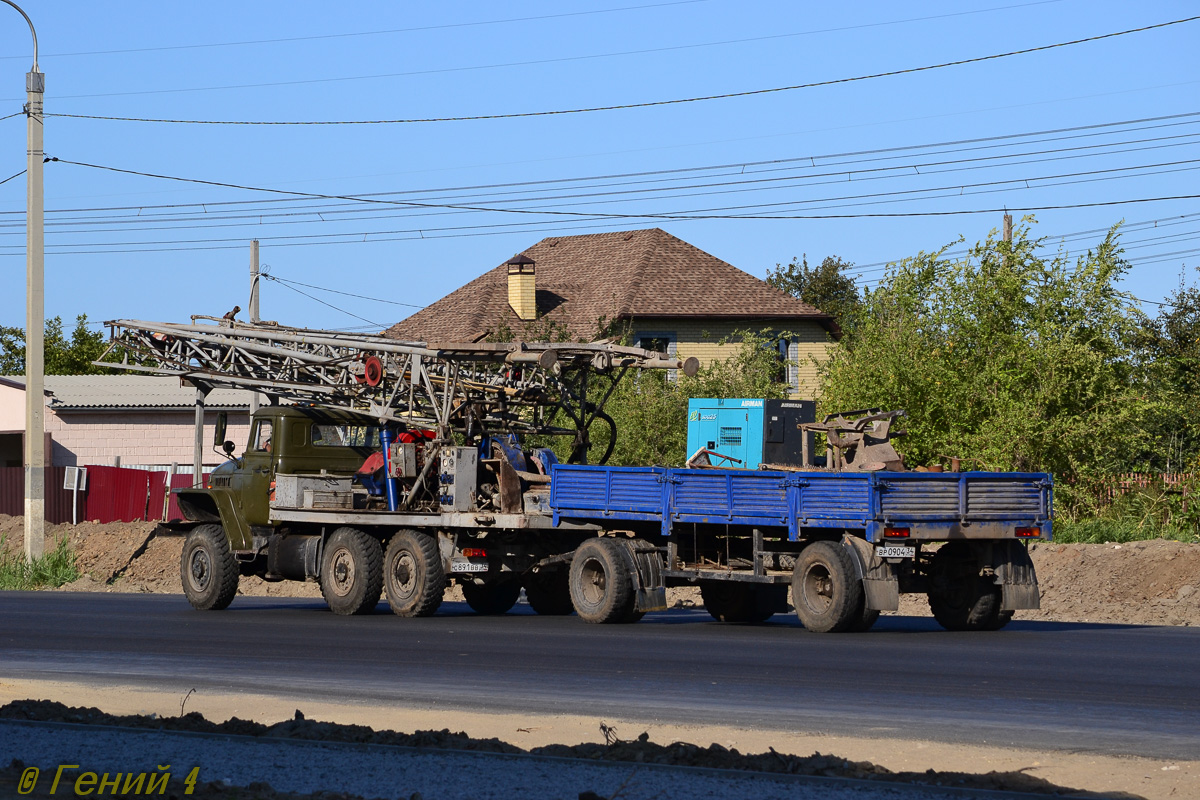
[(702, 339)]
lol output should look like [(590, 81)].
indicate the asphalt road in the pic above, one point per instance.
[(1102, 688)]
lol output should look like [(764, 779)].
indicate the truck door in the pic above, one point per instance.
[(252, 483)]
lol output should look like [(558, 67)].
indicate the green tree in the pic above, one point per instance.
[(826, 286), (64, 355), (1170, 349), (1005, 358)]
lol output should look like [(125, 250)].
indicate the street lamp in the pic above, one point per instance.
[(35, 366)]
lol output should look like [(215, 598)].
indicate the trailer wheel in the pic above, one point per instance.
[(413, 574), (351, 572), (492, 598), (601, 582), (549, 593), (865, 619), (826, 590), (960, 598), (208, 569), (727, 601)]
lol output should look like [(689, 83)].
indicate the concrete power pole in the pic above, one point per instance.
[(254, 318), (35, 310)]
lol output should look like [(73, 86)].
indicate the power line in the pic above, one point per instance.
[(539, 62), (322, 302), (423, 28), (1095, 129), (338, 291), (907, 195), (651, 103)]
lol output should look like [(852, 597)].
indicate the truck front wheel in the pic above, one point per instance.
[(413, 574), (601, 582), (960, 598), (352, 572), (826, 590), (208, 569)]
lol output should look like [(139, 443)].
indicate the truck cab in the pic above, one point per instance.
[(283, 440)]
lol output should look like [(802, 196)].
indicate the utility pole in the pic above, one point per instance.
[(1008, 228), (35, 310), (254, 318)]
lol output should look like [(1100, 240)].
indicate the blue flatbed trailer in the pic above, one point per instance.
[(755, 527)]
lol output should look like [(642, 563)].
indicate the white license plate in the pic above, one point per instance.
[(468, 566), (896, 552)]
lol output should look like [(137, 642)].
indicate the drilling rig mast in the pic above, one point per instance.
[(469, 388)]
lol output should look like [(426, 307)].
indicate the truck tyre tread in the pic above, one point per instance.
[(601, 582), (826, 590), (549, 593), (493, 598), (960, 598), (414, 577), (352, 572), (208, 569)]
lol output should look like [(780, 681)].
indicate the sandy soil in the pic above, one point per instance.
[(1108, 776)]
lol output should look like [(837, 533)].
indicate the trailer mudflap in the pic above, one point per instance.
[(647, 576), (1016, 576), (881, 587)]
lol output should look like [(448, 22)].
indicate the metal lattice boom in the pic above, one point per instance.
[(470, 387)]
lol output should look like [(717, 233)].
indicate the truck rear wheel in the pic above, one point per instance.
[(728, 601), (413, 574), (549, 593), (960, 598), (601, 582), (492, 598), (826, 590), (208, 568), (352, 572)]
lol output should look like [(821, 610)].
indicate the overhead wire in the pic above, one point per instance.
[(1096, 129), (543, 61), (651, 103), (417, 29)]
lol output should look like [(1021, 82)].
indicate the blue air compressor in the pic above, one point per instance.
[(748, 432)]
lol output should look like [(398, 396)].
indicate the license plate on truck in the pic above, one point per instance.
[(893, 551), (468, 566)]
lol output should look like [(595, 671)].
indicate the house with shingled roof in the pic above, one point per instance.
[(668, 294)]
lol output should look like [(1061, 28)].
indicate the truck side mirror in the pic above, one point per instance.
[(228, 448), (219, 434)]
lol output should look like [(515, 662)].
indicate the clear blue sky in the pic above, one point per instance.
[(128, 246)]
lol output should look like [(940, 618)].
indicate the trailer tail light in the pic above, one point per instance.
[(895, 533), (1029, 533), (474, 552)]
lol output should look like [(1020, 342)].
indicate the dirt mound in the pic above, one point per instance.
[(638, 751)]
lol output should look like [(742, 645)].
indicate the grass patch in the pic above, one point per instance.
[(54, 568), (1103, 529)]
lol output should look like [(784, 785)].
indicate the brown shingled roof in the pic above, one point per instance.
[(619, 275)]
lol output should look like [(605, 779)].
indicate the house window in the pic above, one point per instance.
[(662, 341)]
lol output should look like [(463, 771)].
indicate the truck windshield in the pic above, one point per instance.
[(329, 435)]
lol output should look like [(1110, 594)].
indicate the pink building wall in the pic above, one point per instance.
[(140, 438), (143, 438)]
